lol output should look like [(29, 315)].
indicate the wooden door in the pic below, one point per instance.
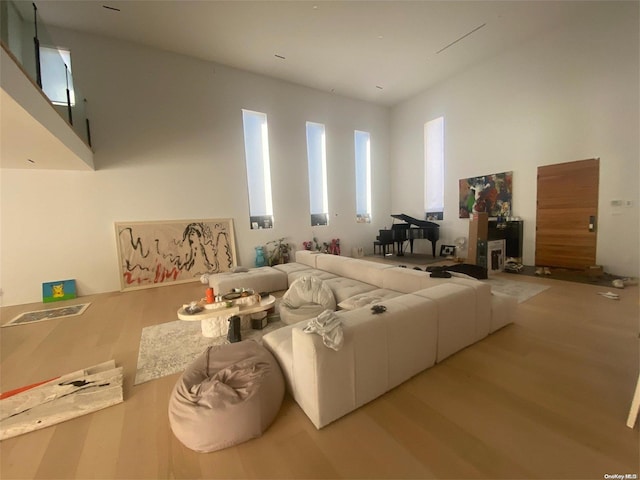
[(567, 214)]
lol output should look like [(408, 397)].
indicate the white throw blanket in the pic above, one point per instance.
[(329, 327), (306, 290)]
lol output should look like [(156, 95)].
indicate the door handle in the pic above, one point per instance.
[(592, 223)]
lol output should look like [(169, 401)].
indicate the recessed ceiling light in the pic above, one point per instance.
[(380, 37), (315, 7)]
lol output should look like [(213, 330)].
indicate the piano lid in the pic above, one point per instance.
[(415, 221)]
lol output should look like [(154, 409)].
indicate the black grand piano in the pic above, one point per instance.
[(412, 229)]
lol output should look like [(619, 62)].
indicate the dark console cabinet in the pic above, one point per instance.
[(511, 232)]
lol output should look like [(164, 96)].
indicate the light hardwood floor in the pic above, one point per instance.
[(546, 397)]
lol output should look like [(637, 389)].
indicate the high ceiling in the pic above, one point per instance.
[(378, 51)]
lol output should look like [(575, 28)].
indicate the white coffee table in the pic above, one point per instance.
[(214, 323)]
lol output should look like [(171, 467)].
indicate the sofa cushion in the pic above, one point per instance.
[(357, 269), (307, 257), (456, 316), (409, 280), (412, 331), (503, 309), (262, 279), (291, 267), (370, 272), (278, 342), (344, 288), (336, 264), (321, 274), (368, 298), (483, 304), (404, 280)]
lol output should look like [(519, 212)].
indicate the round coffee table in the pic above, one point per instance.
[(214, 323)]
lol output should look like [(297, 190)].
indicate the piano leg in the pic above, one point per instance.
[(433, 248), (411, 244), (400, 252)]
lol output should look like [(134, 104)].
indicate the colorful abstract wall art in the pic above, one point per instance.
[(168, 252), (489, 193)]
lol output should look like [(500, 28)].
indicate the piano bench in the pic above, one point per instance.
[(382, 247)]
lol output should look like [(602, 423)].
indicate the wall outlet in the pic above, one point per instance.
[(616, 203), (628, 203)]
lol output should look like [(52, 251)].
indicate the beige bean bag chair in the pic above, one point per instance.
[(307, 297), (228, 395)]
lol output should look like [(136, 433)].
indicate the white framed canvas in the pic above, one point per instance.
[(157, 253), (496, 250)]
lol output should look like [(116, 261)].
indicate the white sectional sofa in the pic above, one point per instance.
[(426, 320)]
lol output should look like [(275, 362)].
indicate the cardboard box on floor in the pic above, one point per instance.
[(595, 271), (478, 231)]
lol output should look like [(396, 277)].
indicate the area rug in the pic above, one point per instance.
[(48, 314), (170, 347), (568, 275), (523, 291)]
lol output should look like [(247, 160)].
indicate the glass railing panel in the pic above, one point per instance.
[(24, 33), (79, 115), (18, 32)]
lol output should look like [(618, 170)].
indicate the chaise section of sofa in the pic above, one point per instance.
[(379, 352), (262, 279)]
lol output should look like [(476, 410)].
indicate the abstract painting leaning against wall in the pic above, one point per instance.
[(489, 193), (166, 252)]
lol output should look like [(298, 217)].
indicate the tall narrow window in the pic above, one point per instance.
[(256, 150), (434, 169), (55, 64), (363, 176), (317, 157)]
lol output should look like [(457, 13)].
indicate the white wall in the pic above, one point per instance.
[(168, 141), (167, 134), (570, 94)]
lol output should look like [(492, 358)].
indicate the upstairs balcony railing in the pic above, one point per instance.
[(45, 62)]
